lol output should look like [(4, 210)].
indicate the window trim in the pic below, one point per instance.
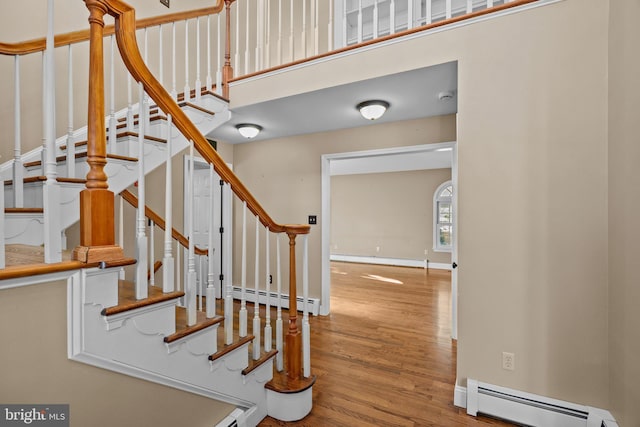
[(438, 197)]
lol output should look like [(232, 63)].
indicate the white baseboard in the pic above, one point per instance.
[(313, 304), (400, 262), (527, 408)]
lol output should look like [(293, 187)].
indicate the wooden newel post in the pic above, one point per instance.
[(227, 70), (293, 350), (97, 231)]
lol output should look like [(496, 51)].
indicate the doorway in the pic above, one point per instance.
[(385, 160)]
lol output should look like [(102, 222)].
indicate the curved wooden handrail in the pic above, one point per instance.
[(125, 25), (38, 45), (159, 221)]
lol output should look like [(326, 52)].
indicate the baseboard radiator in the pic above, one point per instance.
[(313, 304), (530, 409)]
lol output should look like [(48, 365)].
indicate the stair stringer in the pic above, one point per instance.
[(132, 344)]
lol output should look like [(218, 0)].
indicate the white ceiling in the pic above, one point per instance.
[(411, 95)]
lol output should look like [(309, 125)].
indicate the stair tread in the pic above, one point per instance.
[(183, 330), (281, 383), (255, 364), (23, 210), (80, 156), (226, 349), (41, 178), (127, 299), (197, 107)]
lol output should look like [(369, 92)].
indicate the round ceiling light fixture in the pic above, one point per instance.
[(372, 110), (248, 130)]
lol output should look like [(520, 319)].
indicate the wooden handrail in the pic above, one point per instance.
[(38, 45), (159, 221), (127, 44)]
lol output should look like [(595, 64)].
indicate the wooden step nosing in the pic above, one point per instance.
[(255, 364), (123, 308), (301, 385), (231, 347), (198, 327)]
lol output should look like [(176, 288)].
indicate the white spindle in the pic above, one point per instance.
[(142, 290), (71, 147), (279, 330), (376, 20), (178, 280), (167, 261), (200, 282), (243, 281), (160, 56), (267, 44), (279, 45), (448, 9), (152, 253), (259, 33), (410, 14), (316, 36), (392, 17), (291, 51), (429, 9), (121, 230), (111, 147), (469, 6), (51, 189), (174, 90), (219, 56), (246, 47), (489, 3), (198, 84), (330, 28), (360, 29), (256, 303), (2, 262), (267, 275), (237, 54), (187, 89), (303, 38), (211, 294), (18, 169), (306, 327), (228, 301), (190, 288), (344, 23), (209, 80), (147, 99)]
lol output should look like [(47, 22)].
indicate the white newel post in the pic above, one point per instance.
[(142, 290), (18, 169), (256, 303), (71, 146), (168, 278), (279, 330), (51, 190), (242, 315), (306, 328), (211, 290), (268, 335), (190, 288)]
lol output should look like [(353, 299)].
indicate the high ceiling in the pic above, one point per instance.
[(411, 95)]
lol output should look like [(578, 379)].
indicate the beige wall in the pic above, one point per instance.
[(386, 215), (35, 369), (624, 205), (532, 133), (284, 175)]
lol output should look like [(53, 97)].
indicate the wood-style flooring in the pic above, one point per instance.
[(384, 356)]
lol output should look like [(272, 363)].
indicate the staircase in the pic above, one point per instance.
[(126, 324)]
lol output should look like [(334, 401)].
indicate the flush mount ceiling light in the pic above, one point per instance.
[(372, 110), (248, 130)]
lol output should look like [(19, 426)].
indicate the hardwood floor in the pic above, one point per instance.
[(384, 357)]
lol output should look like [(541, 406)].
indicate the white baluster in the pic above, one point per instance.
[(306, 327), (360, 26), (168, 266), (152, 255), (111, 147), (489, 3), (267, 274), (121, 230), (2, 261), (147, 99), (198, 84), (344, 24), (429, 10), (211, 291), (303, 37), (219, 55), (256, 304), (18, 168), (291, 51), (190, 288), (209, 81), (392, 17), (178, 277), (142, 290), (174, 91), (187, 89), (243, 281), (330, 28), (279, 330), (246, 47), (259, 33), (267, 45), (237, 54), (71, 147), (316, 36), (469, 5), (129, 108), (160, 57), (410, 14), (376, 23), (279, 45), (227, 200), (51, 189), (200, 282), (448, 9)]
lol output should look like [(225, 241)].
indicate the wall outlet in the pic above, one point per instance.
[(508, 361)]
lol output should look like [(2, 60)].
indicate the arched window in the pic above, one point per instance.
[(443, 217)]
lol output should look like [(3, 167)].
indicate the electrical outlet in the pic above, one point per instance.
[(508, 361), (313, 219)]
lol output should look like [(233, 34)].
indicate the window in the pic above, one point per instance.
[(443, 217)]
